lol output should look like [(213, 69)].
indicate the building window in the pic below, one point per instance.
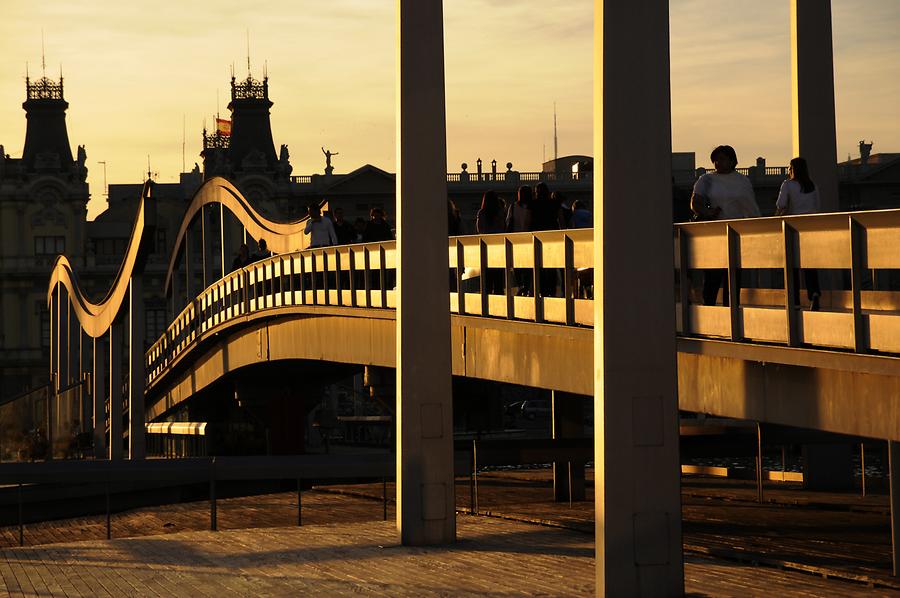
[(156, 324), (40, 308), (49, 245), (110, 246)]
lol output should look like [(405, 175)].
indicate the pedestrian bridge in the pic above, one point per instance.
[(762, 357)]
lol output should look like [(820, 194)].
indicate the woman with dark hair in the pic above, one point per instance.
[(545, 211), (518, 217), (490, 217), (798, 195), (545, 216), (722, 195), (518, 220)]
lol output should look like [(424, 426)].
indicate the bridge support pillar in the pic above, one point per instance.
[(637, 485), (426, 510), (115, 390), (894, 465), (136, 371), (100, 382), (812, 95), (568, 422)]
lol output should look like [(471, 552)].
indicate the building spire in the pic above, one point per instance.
[(248, 52), (555, 138), (43, 56)]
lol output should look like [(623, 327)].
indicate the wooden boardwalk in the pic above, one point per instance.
[(492, 557), (345, 547)]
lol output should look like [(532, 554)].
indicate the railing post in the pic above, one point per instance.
[(569, 279), (325, 286), (789, 235), (290, 277), (302, 279), (352, 269), (382, 273), (460, 270), (858, 261), (483, 265), (537, 269), (337, 277), (684, 281), (509, 276), (315, 288), (367, 278), (734, 281)]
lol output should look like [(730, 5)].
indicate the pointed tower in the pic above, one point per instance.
[(251, 146), (46, 137)]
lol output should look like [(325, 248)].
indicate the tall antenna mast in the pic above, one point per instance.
[(555, 138), (43, 57), (248, 52), (217, 104), (183, 135), (148, 166)]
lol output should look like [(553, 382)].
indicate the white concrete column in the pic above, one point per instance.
[(425, 494), (812, 95), (637, 474), (136, 370), (115, 390)]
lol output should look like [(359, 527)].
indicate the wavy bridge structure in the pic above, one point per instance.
[(611, 315)]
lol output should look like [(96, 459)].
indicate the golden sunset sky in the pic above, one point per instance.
[(134, 70)]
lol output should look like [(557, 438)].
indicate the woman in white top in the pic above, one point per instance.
[(320, 230), (799, 195), (722, 195)]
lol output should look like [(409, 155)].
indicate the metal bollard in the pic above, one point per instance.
[(108, 526), (21, 523), (475, 478), (213, 524)]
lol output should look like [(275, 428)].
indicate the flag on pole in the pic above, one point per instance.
[(223, 127)]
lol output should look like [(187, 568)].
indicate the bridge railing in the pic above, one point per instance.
[(547, 277), (556, 263), (850, 251)]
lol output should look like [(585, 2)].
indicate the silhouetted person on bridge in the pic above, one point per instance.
[(320, 230), (377, 228), (491, 219), (343, 229), (518, 220), (242, 258), (798, 195), (581, 215), (263, 252), (544, 209), (722, 195), (545, 216)]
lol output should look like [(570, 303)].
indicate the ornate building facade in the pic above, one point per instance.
[(43, 212)]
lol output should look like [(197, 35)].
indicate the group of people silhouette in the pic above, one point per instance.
[(724, 194)]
